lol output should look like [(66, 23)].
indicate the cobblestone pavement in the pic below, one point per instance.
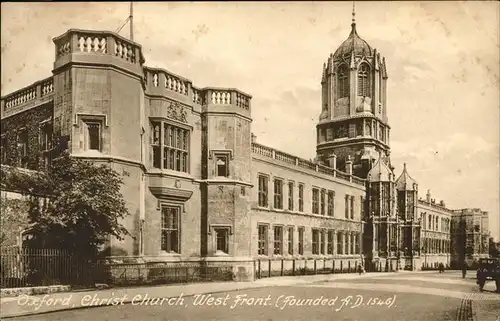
[(395, 297)]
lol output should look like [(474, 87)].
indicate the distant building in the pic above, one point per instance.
[(198, 184), (470, 235)]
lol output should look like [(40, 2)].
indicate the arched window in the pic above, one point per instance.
[(343, 82), (364, 81)]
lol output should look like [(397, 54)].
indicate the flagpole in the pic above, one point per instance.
[(131, 21)]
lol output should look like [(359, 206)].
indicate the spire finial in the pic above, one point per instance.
[(353, 13), (404, 166)]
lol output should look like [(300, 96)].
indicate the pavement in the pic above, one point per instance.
[(25, 305), (420, 296)]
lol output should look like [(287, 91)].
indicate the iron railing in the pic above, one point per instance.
[(21, 267), (293, 267)]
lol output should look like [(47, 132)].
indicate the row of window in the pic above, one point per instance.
[(433, 246), (363, 81), (323, 201), (322, 241), (436, 223)]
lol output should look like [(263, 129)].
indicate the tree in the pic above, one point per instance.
[(13, 218), (75, 205)]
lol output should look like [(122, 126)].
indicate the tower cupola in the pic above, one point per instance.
[(353, 120), (353, 45)]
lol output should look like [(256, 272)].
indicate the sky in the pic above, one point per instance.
[(442, 61)]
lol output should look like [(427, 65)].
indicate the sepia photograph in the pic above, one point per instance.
[(250, 161)]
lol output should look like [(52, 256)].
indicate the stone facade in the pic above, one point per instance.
[(197, 184), (470, 236)]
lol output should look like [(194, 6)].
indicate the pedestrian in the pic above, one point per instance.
[(360, 269), (464, 270), (441, 267)]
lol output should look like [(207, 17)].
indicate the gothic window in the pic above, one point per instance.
[(170, 227), (364, 81), (359, 129), (368, 130), (343, 82), (386, 205)]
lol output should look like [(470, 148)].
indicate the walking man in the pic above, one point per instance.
[(464, 269)]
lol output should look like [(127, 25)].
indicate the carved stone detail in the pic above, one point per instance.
[(176, 111)]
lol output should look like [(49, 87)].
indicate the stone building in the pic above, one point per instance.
[(470, 235), (197, 183)]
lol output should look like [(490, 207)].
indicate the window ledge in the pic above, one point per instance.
[(169, 172), (221, 254), (170, 254), (89, 153)]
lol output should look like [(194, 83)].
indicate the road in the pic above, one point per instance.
[(401, 297)]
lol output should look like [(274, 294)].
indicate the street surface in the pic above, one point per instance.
[(400, 297)]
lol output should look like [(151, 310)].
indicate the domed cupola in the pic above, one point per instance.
[(353, 44)]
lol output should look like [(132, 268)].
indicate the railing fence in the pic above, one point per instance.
[(21, 267)]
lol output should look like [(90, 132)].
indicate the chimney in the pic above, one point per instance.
[(428, 196), (348, 165), (254, 138), (332, 161)]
